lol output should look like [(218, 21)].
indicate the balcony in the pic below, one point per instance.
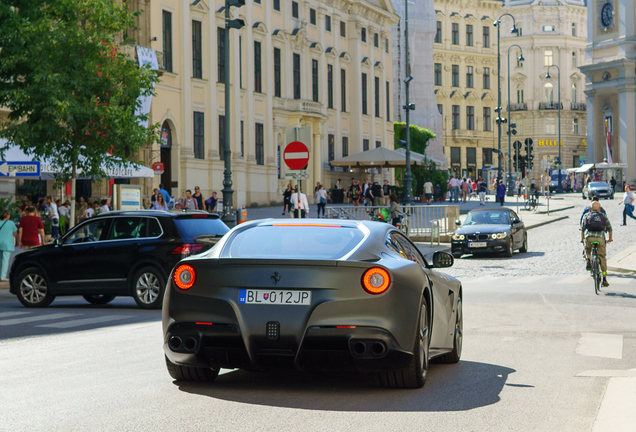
[(578, 106), (303, 105), (549, 106), (131, 52), (518, 107)]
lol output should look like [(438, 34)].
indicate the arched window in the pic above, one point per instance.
[(549, 92), (520, 94), (166, 135), (574, 99)]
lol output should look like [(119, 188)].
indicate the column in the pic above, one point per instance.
[(591, 124), (317, 153), (627, 128)]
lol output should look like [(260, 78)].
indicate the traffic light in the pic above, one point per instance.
[(511, 129), (516, 157), (529, 155)]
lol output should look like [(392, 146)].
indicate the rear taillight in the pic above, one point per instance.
[(184, 277), (188, 249), (376, 280)]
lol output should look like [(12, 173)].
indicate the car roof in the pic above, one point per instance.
[(327, 223), (156, 213), (490, 209)]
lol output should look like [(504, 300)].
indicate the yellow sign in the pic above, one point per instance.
[(550, 143), (584, 142)]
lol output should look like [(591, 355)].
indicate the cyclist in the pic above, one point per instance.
[(593, 228), (587, 209)]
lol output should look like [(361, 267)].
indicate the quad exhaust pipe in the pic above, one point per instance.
[(177, 344), (368, 348)]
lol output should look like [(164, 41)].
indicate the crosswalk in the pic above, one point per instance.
[(16, 318)]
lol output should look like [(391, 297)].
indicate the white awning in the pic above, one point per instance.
[(585, 168)]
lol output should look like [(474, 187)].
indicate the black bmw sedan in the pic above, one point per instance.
[(490, 230), (125, 253)]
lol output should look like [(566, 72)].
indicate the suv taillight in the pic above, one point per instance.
[(188, 249)]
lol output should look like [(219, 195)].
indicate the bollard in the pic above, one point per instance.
[(241, 215)]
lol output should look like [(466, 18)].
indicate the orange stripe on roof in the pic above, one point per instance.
[(308, 225)]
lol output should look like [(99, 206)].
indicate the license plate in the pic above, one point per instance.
[(477, 244), (272, 297)]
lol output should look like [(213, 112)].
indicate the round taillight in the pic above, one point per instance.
[(184, 277), (376, 280)]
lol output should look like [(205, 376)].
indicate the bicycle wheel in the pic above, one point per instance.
[(597, 274), (405, 227), (526, 206)]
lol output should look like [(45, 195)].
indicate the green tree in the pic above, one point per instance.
[(72, 92)]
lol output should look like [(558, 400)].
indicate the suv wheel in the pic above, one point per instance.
[(147, 288), (33, 288)]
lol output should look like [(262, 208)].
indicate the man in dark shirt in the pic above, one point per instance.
[(376, 194)]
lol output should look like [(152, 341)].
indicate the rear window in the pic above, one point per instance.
[(599, 185), (192, 227), (295, 242)]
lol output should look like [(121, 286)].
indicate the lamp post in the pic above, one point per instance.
[(547, 76), (228, 192), (499, 119), (408, 178), (510, 184)]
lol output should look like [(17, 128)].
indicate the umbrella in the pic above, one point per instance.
[(379, 157), (423, 159)]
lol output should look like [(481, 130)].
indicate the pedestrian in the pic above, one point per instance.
[(438, 192), (321, 200), (95, 208), (189, 203), (7, 243), (338, 184), (65, 216), (30, 230), (88, 211), (394, 209), (428, 192), (317, 187), (464, 190), (386, 192), (287, 199), (160, 204), (628, 202), (299, 204), (518, 186), (613, 183), (501, 192), (42, 208), (54, 216), (377, 195), (355, 191), (162, 191), (79, 209), (482, 188), (104, 207), (198, 197), (365, 192), (453, 183)]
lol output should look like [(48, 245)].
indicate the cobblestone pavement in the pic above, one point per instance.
[(554, 249)]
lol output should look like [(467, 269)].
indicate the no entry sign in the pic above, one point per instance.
[(296, 155)]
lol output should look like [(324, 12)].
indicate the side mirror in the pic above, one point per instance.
[(443, 260), (458, 222), (515, 221), (57, 242)]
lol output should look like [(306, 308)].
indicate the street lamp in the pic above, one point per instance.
[(547, 76), (408, 178), (499, 119), (511, 125)]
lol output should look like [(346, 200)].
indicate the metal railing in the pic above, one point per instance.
[(522, 106), (549, 106), (578, 106), (423, 220)]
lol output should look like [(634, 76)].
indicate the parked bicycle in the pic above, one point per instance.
[(404, 224), (532, 201)]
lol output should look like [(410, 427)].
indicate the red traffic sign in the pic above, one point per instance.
[(296, 155), (157, 167)]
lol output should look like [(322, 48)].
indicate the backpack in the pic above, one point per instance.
[(594, 221)]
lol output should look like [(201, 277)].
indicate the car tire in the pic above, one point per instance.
[(458, 339), (98, 299), (414, 375), (33, 288), (147, 287), (187, 373), (524, 247), (510, 249)]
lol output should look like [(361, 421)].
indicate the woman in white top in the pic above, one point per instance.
[(88, 211), (321, 200)]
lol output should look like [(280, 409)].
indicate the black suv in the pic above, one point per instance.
[(124, 253)]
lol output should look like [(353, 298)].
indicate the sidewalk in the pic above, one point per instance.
[(623, 262)]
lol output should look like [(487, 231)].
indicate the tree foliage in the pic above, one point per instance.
[(71, 90)]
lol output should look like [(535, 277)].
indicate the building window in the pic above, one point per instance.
[(296, 58), (364, 94), (486, 78), (486, 37), (222, 136), (471, 157), (486, 157), (365, 145), (549, 92), (314, 80), (519, 31), (550, 126), (259, 147), (277, 5), (455, 72), (388, 102), (343, 90), (328, 23), (363, 34), (573, 29), (520, 95), (312, 16), (199, 135), (331, 146), (438, 74), (242, 140), (277, 77), (574, 59), (295, 9), (548, 58), (167, 40), (469, 76), (438, 34), (469, 35), (575, 124), (455, 124), (343, 28), (345, 146), (456, 156), (574, 96), (386, 44), (329, 86), (470, 118), (377, 96), (197, 61), (487, 124), (455, 39), (378, 144), (257, 1), (440, 108), (257, 67), (376, 40), (548, 28), (220, 49)]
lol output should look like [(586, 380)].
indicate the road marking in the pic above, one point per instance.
[(608, 373), (8, 314), (35, 318), (617, 413), (85, 321), (600, 345)]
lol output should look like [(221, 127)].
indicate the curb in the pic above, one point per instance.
[(557, 210), (546, 222), (620, 270)]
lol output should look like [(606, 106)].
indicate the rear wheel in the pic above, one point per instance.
[(414, 375), (456, 353), (187, 373), (99, 299), (147, 288), (597, 274), (33, 288)]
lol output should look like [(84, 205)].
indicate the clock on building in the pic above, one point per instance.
[(606, 15)]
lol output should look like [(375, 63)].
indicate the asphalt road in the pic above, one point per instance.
[(542, 352)]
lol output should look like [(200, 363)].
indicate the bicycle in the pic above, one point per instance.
[(404, 224), (532, 202), (596, 272)]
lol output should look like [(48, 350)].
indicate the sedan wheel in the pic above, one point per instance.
[(510, 248), (33, 290), (456, 353), (147, 288), (524, 248)]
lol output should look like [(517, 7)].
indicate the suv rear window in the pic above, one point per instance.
[(189, 228), (295, 242)]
